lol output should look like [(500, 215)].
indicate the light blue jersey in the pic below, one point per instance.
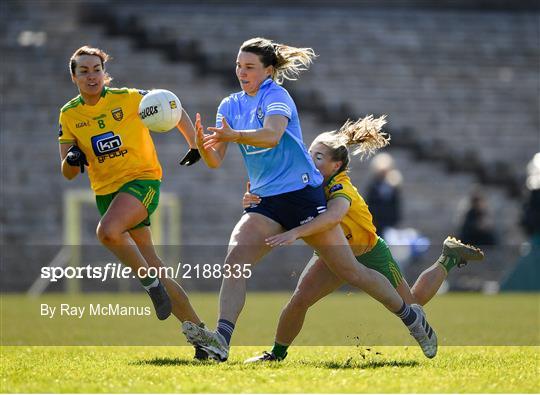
[(285, 168)]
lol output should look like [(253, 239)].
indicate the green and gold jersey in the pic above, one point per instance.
[(357, 224), (117, 144)]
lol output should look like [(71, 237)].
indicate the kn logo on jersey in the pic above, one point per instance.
[(107, 145)]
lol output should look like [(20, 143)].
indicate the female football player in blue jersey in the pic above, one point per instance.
[(263, 120), (347, 208)]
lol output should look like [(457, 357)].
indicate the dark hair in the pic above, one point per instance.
[(88, 50), (287, 61)]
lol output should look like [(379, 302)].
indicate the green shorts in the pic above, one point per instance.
[(380, 259), (147, 191)]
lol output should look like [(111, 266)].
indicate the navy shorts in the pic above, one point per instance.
[(294, 208)]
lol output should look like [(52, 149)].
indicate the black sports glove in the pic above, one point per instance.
[(75, 157), (191, 157)]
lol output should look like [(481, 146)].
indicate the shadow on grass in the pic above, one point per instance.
[(179, 362), (350, 363), (170, 362), (369, 364)]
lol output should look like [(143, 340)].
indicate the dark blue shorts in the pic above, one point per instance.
[(294, 208)]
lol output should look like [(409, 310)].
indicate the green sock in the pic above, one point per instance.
[(149, 282), (280, 351), (447, 262)]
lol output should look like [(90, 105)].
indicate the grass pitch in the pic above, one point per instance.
[(308, 369), (34, 358)]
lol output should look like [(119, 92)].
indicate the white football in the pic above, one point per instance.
[(160, 110)]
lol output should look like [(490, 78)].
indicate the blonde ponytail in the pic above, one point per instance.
[(287, 61), (291, 61), (364, 136)]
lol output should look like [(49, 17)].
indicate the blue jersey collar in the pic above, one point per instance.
[(264, 85), (266, 82)]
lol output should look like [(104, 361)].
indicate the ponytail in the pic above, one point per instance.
[(364, 136), (287, 61), (291, 61)]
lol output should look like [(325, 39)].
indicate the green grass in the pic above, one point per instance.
[(341, 319), (308, 369), (488, 344)]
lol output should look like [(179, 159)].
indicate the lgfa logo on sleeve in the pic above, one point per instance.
[(336, 187)]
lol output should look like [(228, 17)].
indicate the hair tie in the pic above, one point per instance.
[(275, 52)]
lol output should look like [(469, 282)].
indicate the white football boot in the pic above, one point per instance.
[(211, 342), (265, 357), (423, 333)]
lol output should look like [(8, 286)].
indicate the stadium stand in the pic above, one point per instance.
[(459, 83)]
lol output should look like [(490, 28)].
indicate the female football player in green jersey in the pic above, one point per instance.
[(346, 208), (100, 129)]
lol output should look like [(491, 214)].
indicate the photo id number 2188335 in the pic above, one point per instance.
[(216, 271)]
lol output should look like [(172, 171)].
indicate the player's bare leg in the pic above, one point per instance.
[(334, 249), (454, 253), (124, 213), (316, 282), (428, 283), (404, 291), (246, 247), (181, 306)]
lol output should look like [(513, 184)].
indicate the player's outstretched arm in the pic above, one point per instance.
[(185, 126), (337, 209), (71, 167), (267, 137), (212, 156)]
